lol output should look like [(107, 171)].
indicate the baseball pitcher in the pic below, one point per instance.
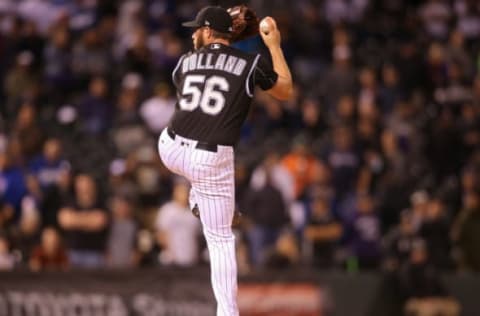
[(215, 85)]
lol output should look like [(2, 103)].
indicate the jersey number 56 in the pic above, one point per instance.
[(204, 92)]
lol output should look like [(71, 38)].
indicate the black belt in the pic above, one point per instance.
[(200, 145)]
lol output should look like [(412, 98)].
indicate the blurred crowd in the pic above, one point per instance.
[(374, 164)]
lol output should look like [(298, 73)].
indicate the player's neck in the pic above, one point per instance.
[(219, 41)]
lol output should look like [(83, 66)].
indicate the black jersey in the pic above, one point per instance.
[(215, 86)]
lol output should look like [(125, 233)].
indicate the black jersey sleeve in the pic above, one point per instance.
[(263, 75)]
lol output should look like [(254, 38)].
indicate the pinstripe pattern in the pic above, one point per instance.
[(213, 190)]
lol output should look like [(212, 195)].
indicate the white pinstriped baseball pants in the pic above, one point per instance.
[(213, 190)]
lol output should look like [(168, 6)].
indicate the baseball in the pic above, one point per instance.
[(264, 26)]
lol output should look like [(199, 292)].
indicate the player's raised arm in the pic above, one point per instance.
[(283, 88)]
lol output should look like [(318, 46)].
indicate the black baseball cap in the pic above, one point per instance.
[(216, 18)]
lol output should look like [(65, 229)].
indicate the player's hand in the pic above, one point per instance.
[(271, 38)]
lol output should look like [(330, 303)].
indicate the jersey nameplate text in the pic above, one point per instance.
[(223, 62)]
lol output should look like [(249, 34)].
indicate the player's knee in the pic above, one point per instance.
[(221, 235)]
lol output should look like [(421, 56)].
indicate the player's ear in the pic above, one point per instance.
[(209, 32)]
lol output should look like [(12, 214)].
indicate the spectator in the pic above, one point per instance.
[(322, 178), (345, 111), (6, 214), (313, 120), (50, 254), (13, 187), (58, 60), (404, 123), (469, 128), (369, 91), (7, 260), (55, 197), (324, 232), (48, 166), (437, 68), (122, 178), (138, 55), (39, 13), (466, 232), (28, 132), (166, 49), (367, 131), (337, 11), (343, 160), (18, 80), (444, 148), (390, 91), (129, 132), (468, 18), (436, 15), (410, 64), (399, 241), (311, 42), (469, 180), (128, 100), (270, 119), (455, 92), (84, 220), (280, 177), (94, 109), (267, 216), (90, 57), (363, 234), (122, 234), (300, 163), (422, 289), (340, 78), (457, 52), (393, 192), (26, 234), (82, 15), (435, 230), (178, 230), (158, 110), (420, 201), (148, 249), (368, 111), (129, 18)]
